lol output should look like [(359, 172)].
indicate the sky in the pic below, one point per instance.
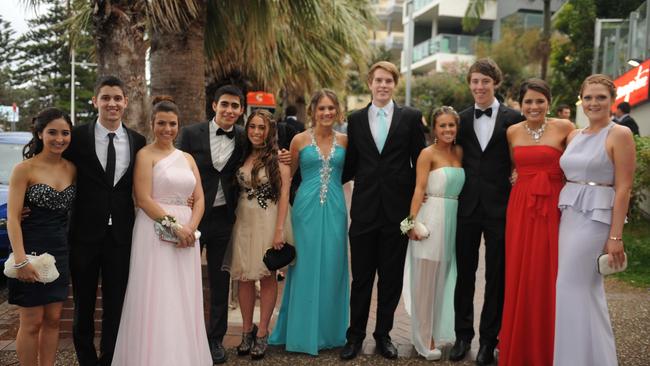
[(16, 12)]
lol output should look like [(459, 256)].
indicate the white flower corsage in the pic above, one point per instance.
[(410, 224), (169, 221)]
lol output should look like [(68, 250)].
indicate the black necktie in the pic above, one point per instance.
[(110, 160), (478, 113), (229, 134)]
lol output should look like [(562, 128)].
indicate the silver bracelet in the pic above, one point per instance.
[(21, 264)]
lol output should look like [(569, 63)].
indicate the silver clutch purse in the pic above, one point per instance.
[(167, 233)]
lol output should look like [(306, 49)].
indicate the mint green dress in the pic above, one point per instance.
[(315, 304), (430, 268)]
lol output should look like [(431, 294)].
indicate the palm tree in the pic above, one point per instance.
[(275, 44), (472, 19)]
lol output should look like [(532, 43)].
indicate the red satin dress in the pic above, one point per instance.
[(532, 223)]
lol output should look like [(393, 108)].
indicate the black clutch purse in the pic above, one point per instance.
[(275, 259)]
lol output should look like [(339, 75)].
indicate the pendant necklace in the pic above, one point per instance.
[(537, 133)]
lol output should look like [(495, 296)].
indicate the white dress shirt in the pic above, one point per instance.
[(122, 149), (484, 125), (221, 149), (373, 117)]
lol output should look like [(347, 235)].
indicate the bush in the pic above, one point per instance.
[(641, 187)]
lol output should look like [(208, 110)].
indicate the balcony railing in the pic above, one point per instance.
[(419, 4), (445, 43)]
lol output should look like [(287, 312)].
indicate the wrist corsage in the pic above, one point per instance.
[(409, 224), (169, 221)]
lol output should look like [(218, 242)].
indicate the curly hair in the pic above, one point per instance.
[(268, 154)]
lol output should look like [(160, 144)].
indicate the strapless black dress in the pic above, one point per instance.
[(45, 230)]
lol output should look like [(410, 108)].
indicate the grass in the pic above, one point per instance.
[(636, 236)]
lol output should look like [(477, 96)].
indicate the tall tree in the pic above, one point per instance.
[(42, 65), (475, 10)]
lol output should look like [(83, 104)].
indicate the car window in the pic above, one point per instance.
[(11, 155)]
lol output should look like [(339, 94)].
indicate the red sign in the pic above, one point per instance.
[(633, 86), (259, 98)]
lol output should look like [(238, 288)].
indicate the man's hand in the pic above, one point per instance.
[(190, 201), (284, 156), (25, 213)]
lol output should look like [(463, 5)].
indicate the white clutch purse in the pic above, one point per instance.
[(602, 263), (421, 230), (44, 265)]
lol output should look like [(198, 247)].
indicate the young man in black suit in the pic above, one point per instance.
[(482, 209), (216, 146), (102, 219), (384, 142), (623, 117)]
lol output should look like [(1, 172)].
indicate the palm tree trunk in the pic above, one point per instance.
[(121, 51), (178, 67), (546, 38)]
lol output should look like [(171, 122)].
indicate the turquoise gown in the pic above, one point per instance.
[(315, 304)]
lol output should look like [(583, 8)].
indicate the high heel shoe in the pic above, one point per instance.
[(259, 348), (247, 341)]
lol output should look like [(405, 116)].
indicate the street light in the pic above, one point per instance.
[(72, 82), (634, 62)]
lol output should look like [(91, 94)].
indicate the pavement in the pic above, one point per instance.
[(629, 310)]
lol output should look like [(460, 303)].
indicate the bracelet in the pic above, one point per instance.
[(21, 264), (616, 238)]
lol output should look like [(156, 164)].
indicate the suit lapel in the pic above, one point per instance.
[(96, 164), (131, 154), (204, 137), (394, 122), (239, 146), (498, 125), (470, 132)]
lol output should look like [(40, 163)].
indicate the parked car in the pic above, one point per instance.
[(11, 151)]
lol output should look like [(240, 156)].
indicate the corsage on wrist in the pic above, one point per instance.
[(169, 221), (407, 224)]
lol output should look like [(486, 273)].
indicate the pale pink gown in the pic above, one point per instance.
[(162, 319)]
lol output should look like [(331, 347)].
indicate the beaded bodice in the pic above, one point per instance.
[(320, 170), (263, 192), (43, 196)]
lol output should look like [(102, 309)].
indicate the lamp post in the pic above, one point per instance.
[(73, 63), (408, 49)]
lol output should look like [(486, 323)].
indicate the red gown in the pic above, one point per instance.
[(532, 222)]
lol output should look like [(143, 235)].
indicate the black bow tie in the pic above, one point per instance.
[(229, 134), (478, 113)]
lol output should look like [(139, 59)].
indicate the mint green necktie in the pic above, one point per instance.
[(382, 129)]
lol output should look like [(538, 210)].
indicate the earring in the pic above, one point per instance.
[(454, 141), (435, 140)]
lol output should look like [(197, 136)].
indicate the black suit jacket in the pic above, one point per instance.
[(630, 123), (486, 172), (295, 124), (383, 183), (97, 199), (195, 140)]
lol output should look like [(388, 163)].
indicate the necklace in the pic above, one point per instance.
[(537, 133)]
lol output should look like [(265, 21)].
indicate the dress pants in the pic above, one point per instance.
[(375, 248), (468, 239), (108, 260), (215, 239)]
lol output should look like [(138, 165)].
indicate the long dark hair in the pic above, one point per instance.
[(42, 119), (268, 157)]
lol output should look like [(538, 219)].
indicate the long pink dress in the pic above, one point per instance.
[(162, 318)]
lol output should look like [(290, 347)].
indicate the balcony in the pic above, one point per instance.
[(445, 43), (435, 53)]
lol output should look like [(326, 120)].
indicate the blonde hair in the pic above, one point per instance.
[(386, 66), (316, 97), (600, 79)]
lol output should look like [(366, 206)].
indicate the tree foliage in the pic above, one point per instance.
[(41, 69), (429, 92)]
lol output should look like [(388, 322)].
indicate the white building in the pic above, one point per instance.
[(438, 37)]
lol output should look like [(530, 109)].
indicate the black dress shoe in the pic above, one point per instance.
[(218, 353), (485, 356), (459, 350), (386, 348), (350, 350)]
